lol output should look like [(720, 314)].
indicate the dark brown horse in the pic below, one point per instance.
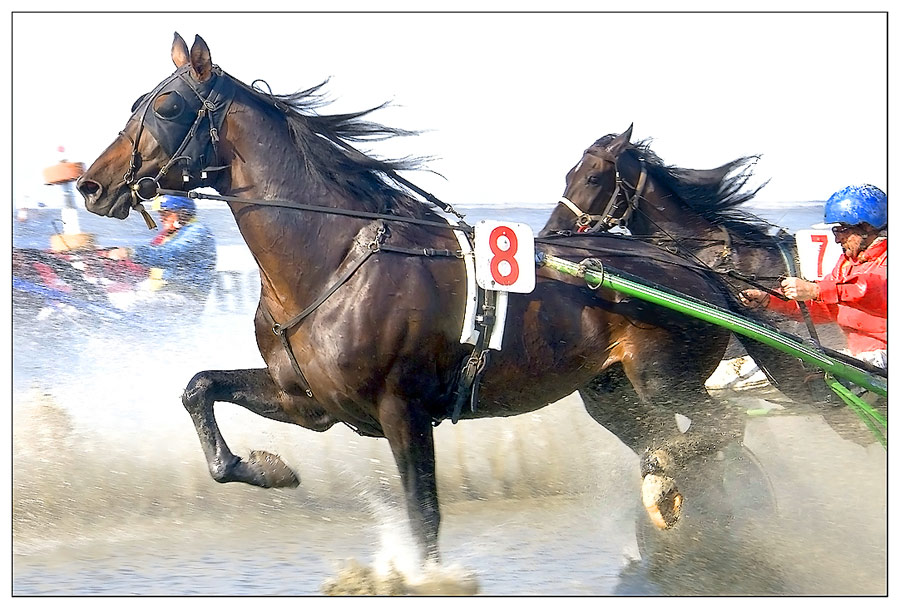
[(360, 315), (696, 214)]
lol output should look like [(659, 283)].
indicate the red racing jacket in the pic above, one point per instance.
[(854, 295)]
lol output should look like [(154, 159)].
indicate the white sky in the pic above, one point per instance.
[(510, 101)]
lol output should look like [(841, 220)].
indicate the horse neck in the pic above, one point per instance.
[(296, 251), (661, 213)]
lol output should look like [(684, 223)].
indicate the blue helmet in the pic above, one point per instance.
[(177, 204), (856, 204)]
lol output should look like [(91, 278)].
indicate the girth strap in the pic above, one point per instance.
[(470, 377)]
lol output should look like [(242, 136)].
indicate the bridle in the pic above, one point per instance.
[(177, 127), (613, 214)]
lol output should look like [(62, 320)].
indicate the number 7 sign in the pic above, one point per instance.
[(818, 253), (504, 256)]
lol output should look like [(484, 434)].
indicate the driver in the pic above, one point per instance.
[(854, 294), (182, 256)]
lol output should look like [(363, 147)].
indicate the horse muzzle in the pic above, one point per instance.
[(98, 202)]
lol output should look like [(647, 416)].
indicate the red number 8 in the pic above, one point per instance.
[(504, 255)]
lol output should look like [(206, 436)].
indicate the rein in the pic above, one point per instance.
[(318, 208), (431, 252), (728, 249)]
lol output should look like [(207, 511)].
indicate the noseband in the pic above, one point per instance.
[(609, 217), (176, 126)]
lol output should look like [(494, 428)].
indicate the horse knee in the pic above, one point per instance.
[(197, 391)]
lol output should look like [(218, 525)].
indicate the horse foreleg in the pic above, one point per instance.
[(611, 400), (639, 406), (253, 389), (671, 456), (410, 435)]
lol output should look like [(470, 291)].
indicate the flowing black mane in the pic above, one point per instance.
[(712, 193), (324, 143)]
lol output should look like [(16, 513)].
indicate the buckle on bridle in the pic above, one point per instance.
[(137, 198)]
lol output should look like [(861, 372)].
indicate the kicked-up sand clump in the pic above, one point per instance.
[(355, 579)]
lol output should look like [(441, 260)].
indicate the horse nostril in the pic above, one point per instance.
[(88, 187)]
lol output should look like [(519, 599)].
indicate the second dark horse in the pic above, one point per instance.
[(698, 215)]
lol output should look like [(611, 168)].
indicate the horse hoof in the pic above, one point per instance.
[(662, 500), (273, 471)]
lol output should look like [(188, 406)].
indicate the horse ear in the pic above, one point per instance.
[(180, 54), (620, 143), (201, 63)]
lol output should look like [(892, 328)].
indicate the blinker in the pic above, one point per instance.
[(184, 112), (169, 106), (137, 102)]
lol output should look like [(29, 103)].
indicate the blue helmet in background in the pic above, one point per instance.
[(856, 204), (177, 204)]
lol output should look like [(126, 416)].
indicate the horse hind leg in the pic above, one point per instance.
[(253, 389)]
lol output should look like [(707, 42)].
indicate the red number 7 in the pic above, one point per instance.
[(822, 240)]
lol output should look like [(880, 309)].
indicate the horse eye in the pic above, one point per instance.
[(168, 105), (593, 179), (137, 102)]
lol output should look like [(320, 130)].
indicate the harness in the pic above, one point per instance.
[(720, 265), (485, 309)]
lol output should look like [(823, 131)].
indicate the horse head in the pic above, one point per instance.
[(622, 183), (596, 192), (175, 125)]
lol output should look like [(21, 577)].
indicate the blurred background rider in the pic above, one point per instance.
[(854, 294), (182, 256)]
